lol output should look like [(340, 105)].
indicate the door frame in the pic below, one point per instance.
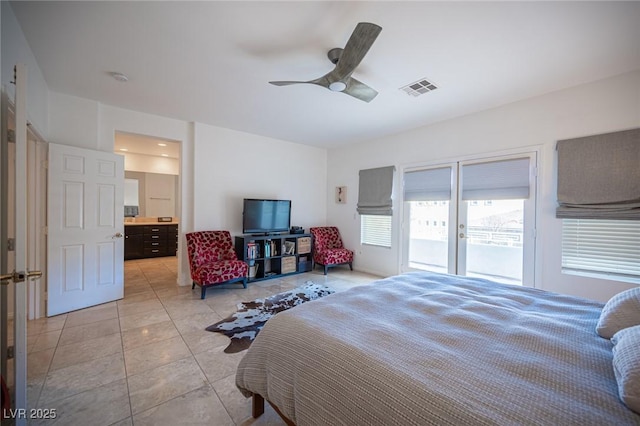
[(37, 221), (530, 254)]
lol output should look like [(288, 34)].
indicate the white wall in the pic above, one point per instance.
[(15, 49), (234, 165), (603, 106), (218, 167), (151, 164)]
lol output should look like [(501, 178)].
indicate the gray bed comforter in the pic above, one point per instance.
[(422, 348)]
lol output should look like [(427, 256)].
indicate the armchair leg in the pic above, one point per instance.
[(244, 282), (351, 265), (202, 292), (193, 285), (326, 269)]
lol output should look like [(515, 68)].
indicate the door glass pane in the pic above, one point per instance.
[(494, 240), (429, 235)]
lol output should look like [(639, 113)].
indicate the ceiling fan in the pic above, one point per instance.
[(346, 60)]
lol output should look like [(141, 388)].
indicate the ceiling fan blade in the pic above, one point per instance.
[(287, 83), (359, 90), (356, 48)]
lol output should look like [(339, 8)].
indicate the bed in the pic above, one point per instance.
[(423, 348)]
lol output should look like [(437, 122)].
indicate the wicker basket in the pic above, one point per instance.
[(288, 264), (304, 245)]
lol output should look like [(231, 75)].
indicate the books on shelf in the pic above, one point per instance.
[(253, 250), (270, 248)]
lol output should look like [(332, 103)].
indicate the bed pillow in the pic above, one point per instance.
[(621, 311), (626, 365)]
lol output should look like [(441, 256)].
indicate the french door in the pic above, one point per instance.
[(473, 218)]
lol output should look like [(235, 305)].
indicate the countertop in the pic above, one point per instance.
[(147, 221)]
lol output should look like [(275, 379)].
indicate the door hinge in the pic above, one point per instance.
[(11, 244), (10, 352), (11, 135), (45, 230), (45, 164)]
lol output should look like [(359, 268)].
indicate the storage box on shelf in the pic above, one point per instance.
[(271, 256)]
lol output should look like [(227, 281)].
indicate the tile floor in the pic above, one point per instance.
[(146, 359)]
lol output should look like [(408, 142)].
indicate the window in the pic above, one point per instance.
[(606, 248), (375, 230), (597, 199), (375, 205)]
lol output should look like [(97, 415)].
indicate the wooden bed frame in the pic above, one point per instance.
[(257, 409)]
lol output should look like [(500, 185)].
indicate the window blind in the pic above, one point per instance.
[(601, 246), (374, 192), (375, 230), (496, 180), (428, 185), (599, 176)]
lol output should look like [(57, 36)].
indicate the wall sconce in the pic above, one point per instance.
[(341, 194)]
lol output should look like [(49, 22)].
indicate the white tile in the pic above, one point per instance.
[(155, 355), (159, 385), (89, 331), (202, 405), (202, 341), (86, 350), (144, 319), (196, 322), (100, 406), (148, 334), (216, 364), (81, 377)]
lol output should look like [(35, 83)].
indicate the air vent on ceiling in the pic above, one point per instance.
[(419, 87)]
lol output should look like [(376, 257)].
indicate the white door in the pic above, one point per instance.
[(473, 218), (16, 276), (85, 249)]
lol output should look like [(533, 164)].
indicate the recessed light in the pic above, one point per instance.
[(124, 149), (165, 155), (162, 144)]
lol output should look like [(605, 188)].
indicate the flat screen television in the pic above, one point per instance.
[(266, 216)]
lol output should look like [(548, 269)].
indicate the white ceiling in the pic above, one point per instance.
[(210, 62)]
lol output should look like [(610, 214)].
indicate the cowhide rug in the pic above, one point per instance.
[(243, 326)]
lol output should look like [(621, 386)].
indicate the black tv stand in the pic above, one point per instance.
[(274, 255)]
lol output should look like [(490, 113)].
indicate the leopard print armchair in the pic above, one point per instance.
[(328, 249), (213, 260)]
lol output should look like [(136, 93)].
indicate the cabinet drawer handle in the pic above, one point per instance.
[(155, 229), (155, 236), (155, 244), (154, 251)]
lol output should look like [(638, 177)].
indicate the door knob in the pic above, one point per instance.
[(33, 275), (117, 235), (18, 277)]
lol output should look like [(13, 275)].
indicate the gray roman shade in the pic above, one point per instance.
[(374, 192), (496, 180), (599, 176), (428, 185)]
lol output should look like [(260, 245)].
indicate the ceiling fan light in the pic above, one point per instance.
[(337, 86), (118, 76)]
